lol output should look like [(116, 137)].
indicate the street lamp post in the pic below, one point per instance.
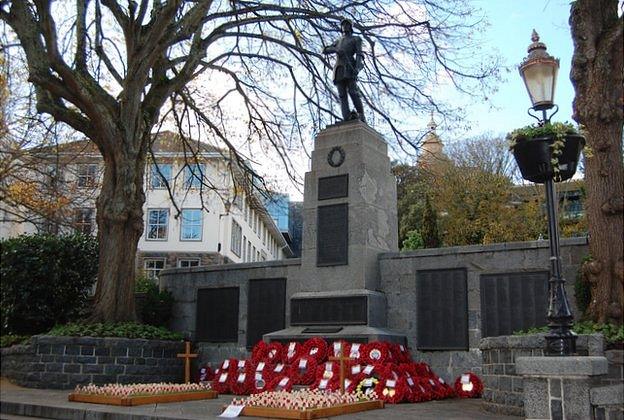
[(539, 73)]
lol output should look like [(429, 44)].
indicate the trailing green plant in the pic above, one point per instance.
[(153, 305), (413, 241), (9, 340), (557, 130), (613, 334), (45, 280), (582, 288), (122, 330)]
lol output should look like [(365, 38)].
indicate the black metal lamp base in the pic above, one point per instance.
[(560, 342)]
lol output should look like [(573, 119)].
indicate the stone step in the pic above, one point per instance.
[(607, 402)]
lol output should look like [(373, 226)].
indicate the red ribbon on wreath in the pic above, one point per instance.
[(423, 370), (280, 383), (401, 353), (303, 370), (468, 385), (413, 393), (376, 352), (291, 352), (315, 347), (448, 390), (423, 390)]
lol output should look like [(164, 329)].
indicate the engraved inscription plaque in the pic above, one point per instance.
[(332, 235), (349, 310), (333, 187), (217, 314), (266, 308)]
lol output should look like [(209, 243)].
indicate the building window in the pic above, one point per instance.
[(84, 221), (188, 262), (193, 176), (157, 224), (249, 254), (244, 249), (191, 229), (160, 175), (245, 212), (152, 266), (237, 237), (87, 175), (255, 222), (253, 254)]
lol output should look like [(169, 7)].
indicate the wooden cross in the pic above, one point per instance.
[(187, 356), (341, 360)]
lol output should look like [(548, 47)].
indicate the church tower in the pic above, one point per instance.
[(432, 150)]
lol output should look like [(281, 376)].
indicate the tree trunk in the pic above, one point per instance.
[(120, 225), (597, 76)]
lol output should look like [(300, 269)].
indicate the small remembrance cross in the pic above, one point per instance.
[(341, 360), (187, 356)]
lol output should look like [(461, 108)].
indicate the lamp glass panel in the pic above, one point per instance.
[(540, 79)]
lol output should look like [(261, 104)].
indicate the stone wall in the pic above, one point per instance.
[(64, 362), (503, 389), (398, 280)]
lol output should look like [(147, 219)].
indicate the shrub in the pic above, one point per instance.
[(45, 280), (613, 334), (122, 330), (153, 306), (10, 339)]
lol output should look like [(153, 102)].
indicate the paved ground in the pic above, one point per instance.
[(21, 403)]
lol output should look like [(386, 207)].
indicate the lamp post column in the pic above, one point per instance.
[(560, 340)]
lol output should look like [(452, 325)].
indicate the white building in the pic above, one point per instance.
[(211, 220)]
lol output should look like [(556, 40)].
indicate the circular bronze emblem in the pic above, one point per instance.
[(336, 156)]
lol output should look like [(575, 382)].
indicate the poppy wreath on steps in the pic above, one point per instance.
[(279, 369), (241, 382), (274, 353), (280, 383), (205, 374), (221, 382), (259, 352), (413, 394), (423, 390), (448, 389), (339, 348), (401, 354), (303, 371), (327, 376), (292, 352), (260, 382), (376, 352), (468, 385), (437, 389), (423, 370), (356, 351), (315, 347), (408, 369), (391, 390)]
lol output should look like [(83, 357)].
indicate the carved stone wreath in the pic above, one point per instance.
[(336, 156)]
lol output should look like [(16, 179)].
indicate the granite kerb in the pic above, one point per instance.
[(232, 266)]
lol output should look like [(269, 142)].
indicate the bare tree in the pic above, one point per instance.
[(598, 76), (487, 152), (107, 69)]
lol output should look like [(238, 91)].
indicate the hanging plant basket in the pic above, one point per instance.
[(547, 152)]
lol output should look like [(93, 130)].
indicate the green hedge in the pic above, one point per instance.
[(45, 280), (122, 330), (612, 333)]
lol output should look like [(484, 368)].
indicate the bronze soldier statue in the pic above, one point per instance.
[(348, 64)]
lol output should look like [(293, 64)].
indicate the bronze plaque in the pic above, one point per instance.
[(333, 187), (348, 310), (332, 235)]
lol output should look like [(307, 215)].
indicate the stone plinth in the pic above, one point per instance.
[(354, 150), (559, 387)]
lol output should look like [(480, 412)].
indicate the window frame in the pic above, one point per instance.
[(147, 224), (90, 179), (147, 270), (191, 259), (190, 178), (155, 175), (79, 223), (201, 225)]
